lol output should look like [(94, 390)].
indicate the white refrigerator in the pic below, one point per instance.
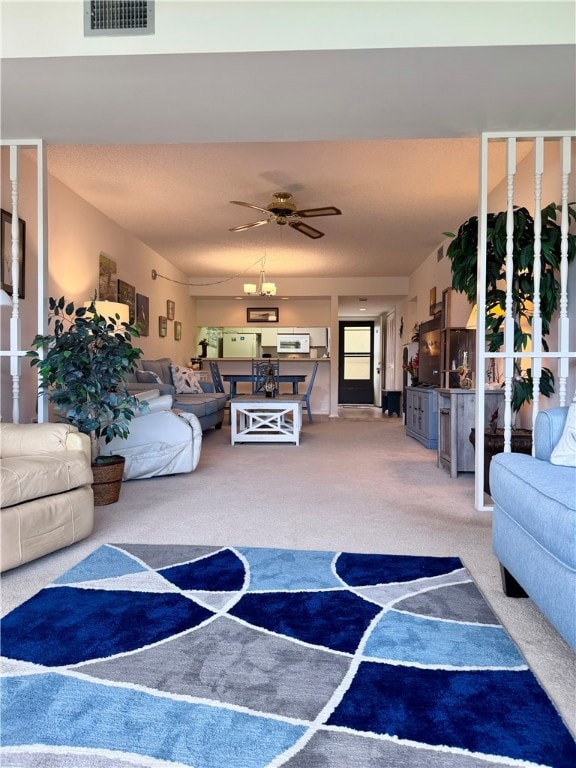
[(241, 345)]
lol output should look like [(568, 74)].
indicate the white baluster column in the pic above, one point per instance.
[(536, 317), (509, 318), (563, 320), (15, 319)]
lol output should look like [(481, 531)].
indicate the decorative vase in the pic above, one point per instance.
[(414, 381), (107, 481)]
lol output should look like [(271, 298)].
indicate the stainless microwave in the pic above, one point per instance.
[(296, 343)]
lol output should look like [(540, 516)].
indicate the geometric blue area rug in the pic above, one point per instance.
[(220, 657)]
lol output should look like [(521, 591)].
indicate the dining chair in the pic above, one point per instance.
[(218, 383), (306, 395), (216, 377), (264, 375)]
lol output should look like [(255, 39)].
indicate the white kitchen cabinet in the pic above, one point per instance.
[(268, 336), (318, 337)]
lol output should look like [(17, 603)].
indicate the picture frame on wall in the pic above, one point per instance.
[(6, 249), (170, 309), (127, 295), (143, 314), (107, 285), (177, 330), (162, 326), (432, 300), (262, 315)]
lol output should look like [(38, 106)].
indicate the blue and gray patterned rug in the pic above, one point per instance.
[(218, 657)]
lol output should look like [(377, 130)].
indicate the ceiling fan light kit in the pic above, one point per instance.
[(283, 211)]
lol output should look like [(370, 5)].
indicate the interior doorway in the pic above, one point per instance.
[(356, 363)]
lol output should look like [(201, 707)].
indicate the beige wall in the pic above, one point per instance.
[(77, 233), (294, 312)]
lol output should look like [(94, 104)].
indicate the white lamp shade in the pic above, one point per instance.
[(110, 309), (472, 321), (5, 300), (269, 289), (249, 287)]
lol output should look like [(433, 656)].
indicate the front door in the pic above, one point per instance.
[(356, 364)]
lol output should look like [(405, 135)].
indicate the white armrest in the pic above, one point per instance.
[(27, 439), (155, 402), (148, 394)]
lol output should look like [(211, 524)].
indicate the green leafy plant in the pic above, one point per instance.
[(463, 253), (86, 358)]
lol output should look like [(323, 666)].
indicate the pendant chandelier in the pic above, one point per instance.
[(264, 288)]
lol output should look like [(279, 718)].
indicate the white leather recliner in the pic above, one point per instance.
[(46, 499), (162, 440)]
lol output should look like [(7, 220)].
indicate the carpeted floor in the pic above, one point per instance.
[(244, 657)]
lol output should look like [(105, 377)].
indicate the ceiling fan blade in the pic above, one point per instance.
[(249, 205), (247, 226), (328, 210), (305, 229)]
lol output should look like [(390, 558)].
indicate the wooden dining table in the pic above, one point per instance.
[(237, 378)]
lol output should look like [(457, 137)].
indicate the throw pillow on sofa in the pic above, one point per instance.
[(148, 377), (185, 380), (565, 451)]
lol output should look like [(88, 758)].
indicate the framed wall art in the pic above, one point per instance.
[(143, 314), (107, 285), (177, 330), (127, 295), (261, 315), (162, 326), (170, 309), (6, 248), (432, 300)]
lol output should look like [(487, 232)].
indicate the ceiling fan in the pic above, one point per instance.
[(283, 211)]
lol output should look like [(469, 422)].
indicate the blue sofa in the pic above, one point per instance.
[(534, 525), (209, 406)]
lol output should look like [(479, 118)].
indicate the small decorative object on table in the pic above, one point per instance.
[(270, 383)]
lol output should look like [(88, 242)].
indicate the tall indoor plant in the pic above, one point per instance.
[(463, 253), (86, 358)]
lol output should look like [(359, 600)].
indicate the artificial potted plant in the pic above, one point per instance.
[(463, 253), (411, 367), (86, 359)]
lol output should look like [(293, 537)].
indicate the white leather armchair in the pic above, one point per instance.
[(46, 499), (162, 441)]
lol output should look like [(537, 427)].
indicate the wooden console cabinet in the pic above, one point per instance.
[(456, 413), (422, 415)]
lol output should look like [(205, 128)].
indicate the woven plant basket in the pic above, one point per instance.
[(107, 480)]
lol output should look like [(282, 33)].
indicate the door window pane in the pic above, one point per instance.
[(357, 340), (356, 368)]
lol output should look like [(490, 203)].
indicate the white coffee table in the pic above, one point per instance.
[(258, 419)]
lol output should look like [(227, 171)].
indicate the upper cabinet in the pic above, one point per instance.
[(268, 336), (318, 336)]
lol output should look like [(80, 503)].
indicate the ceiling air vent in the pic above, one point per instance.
[(118, 17)]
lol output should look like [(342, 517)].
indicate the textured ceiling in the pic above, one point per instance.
[(396, 197)]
